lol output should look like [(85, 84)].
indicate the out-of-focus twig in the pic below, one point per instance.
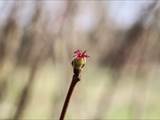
[(25, 93), (117, 59)]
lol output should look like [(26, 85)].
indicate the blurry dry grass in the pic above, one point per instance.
[(121, 79)]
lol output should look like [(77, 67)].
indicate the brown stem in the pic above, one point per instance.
[(75, 79)]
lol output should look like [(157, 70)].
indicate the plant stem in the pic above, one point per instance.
[(75, 79)]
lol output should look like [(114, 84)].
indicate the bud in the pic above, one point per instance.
[(79, 60)]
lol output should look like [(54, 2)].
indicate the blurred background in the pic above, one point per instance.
[(120, 79)]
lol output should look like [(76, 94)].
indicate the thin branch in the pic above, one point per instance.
[(75, 79)]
